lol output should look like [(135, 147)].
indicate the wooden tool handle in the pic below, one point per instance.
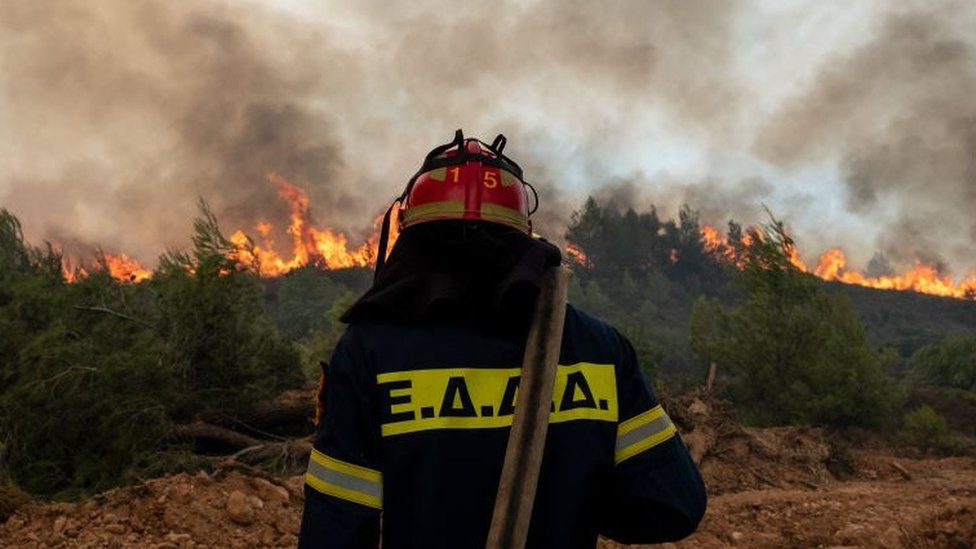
[(527, 439)]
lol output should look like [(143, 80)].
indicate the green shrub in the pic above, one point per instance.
[(792, 352), (949, 363), (92, 374), (216, 334), (924, 427)]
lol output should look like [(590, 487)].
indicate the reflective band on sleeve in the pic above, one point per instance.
[(642, 432), (345, 480)]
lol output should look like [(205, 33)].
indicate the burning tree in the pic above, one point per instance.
[(791, 351)]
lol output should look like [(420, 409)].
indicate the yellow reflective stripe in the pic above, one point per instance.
[(449, 209), (503, 214), (347, 468), (344, 480), (643, 432), (640, 419)]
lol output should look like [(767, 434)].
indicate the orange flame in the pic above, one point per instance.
[(125, 268), (72, 270), (120, 267), (309, 245), (578, 255), (832, 265), (330, 249), (322, 247)]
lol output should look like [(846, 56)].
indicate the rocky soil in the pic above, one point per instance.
[(779, 487), (934, 507), (181, 511)]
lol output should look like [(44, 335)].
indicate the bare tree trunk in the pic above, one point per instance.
[(710, 380)]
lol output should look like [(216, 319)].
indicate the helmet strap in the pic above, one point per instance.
[(535, 193), (498, 145)]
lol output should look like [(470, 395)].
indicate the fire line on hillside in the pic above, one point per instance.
[(832, 266), (329, 249)]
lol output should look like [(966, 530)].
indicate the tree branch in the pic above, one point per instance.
[(199, 430), (106, 310)]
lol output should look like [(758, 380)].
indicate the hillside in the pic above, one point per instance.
[(901, 320), (905, 320)]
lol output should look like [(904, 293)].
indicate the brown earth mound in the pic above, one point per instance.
[(936, 507), (734, 458), (177, 512), (768, 488)]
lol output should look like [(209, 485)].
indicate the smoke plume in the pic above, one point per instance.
[(900, 113), (120, 114), (115, 115)]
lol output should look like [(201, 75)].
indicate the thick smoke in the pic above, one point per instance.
[(117, 115), (120, 114), (901, 113)]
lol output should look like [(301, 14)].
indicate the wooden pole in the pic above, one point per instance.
[(527, 439)]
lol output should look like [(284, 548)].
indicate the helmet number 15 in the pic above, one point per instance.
[(489, 179)]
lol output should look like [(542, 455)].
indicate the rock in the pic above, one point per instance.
[(891, 538), (182, 492), (115, 528), (269, 491), (281, 527), (239, 508), (178, 538), (698, 408), (288, 540)]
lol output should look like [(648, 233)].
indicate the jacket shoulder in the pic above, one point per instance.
[(586, 334)]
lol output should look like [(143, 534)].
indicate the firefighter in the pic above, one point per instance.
[(419, 395)]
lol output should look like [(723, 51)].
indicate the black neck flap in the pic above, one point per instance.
[(458, 271)]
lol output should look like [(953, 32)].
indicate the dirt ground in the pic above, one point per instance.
[(774, 487), (933, 505), (936, 507)]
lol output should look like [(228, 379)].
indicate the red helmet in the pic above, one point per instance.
[(465, 179)]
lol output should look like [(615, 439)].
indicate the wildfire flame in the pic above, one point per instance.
[(309, 245), (832, 265), (123, 267), (578, 255), (120, 267), (322, 247), (329, 249)]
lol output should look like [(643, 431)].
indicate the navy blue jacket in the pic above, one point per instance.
[(415, 428)]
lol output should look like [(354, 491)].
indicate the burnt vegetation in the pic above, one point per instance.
[(104, 382)]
